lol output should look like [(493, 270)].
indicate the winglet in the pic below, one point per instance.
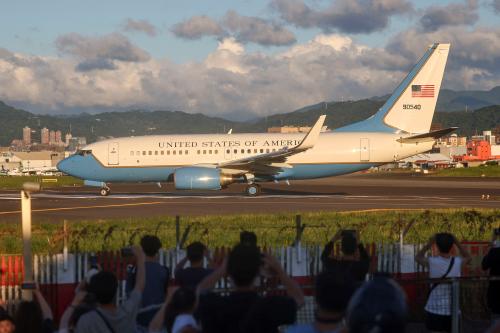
[(312, 136)]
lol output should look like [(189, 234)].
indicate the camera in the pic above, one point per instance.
[(126, 252)]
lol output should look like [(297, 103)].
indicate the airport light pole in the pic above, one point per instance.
[(28, 188)]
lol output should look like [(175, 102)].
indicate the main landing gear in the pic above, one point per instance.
[(105, 191), (252, 190)]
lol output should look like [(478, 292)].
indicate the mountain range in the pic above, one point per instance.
[(483, 112)]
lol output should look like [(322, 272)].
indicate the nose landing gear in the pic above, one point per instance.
[(105, 191)]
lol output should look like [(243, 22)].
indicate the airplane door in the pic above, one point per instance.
[(228, 154), (113, 153), (364, 149)]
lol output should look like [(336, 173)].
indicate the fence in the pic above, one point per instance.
[(58, 274)]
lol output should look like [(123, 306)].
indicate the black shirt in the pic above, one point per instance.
[(191, 276), (242, 312), (350, 269), (491, 261)]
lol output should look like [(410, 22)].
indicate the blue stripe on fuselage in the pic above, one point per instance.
[(88, 168)]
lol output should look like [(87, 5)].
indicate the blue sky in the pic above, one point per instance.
[(83, 41)]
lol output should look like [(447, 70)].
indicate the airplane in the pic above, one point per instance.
[(399, 129)]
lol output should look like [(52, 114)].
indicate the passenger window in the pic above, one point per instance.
[(210, 151), (261, 151), (150, 152), (255, 151), (185, 152), (249, 151), (143, 152), (173, 152), (198, 152), (138, 153), (243, 151), (168, 152), (180, 152), (236, 151), (156, 152), (131, 153), (228, 151), (162, 152), (267, 150)]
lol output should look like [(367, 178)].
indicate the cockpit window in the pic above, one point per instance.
[(82, 152)]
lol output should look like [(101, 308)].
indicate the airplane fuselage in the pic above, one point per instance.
[(155, 158)]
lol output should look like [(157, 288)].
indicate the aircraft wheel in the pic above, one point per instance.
[(253, 190), (104, 191)]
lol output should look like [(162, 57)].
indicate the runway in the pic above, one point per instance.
[(347, 193)]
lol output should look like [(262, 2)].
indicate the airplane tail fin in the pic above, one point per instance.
[(411, 106)]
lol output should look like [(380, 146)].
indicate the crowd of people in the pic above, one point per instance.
[(345, 300)]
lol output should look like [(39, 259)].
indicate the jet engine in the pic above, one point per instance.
[(201, 178)]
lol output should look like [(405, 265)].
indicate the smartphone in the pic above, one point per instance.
[(28, 285), (93, 262), (126, 252), (348, 232)]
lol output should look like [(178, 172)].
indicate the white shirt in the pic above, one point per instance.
[(439, 301)]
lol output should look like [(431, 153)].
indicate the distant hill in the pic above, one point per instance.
[(140, 122)]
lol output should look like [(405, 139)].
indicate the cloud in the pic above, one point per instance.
[(474, 59), (348, 16), (452, 14), (232, 80), (100, 52), (496, 6), (143, 26), (197, 27), (245, 29)]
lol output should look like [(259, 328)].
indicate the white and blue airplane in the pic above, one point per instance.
[(400, 128)]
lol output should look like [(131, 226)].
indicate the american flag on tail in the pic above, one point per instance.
[(423, 90)]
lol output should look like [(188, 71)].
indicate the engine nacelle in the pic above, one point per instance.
[(200, 178)]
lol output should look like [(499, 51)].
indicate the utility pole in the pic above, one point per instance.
[(28, 277)]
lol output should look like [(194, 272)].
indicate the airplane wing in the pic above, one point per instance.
[(272, 163), (427, 137)]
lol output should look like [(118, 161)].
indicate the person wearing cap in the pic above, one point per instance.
[(378, 306)]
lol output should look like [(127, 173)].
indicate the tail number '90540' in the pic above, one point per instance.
[(412, 106)]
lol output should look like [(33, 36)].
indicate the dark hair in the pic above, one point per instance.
[(103, 285), (444, 242), (183, 301), (333, 291), (195, 251), (248, 238), (378, 306), (150, 245), (88, 304), (243, 264), (28, 317), (348, 244)]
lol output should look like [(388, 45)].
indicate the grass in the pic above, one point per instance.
[(271, 230), (16, 182), (486, 170)]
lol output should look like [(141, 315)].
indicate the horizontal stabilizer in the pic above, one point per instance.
[(427, 137)]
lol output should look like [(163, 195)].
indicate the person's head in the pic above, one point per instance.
[(444, 242), (28, 317), (248, 238), (103, 286), (195, 252), (378, 306), (243, 264), (183, 302), (333, 293), (150, 245), (6, 323), (348, 244)]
